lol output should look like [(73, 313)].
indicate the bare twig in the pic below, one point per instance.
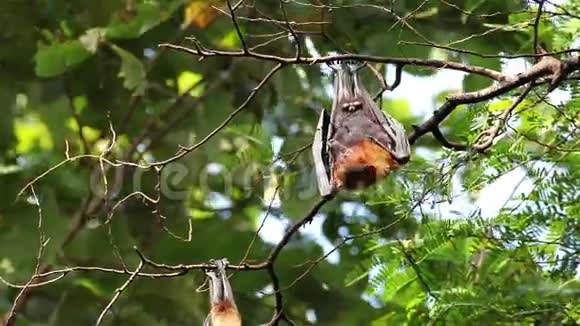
[(85, 145), (186, 150), (288, 235), (490, 56), (343, 242), (272, 21), (536, 28), (295, 154), (420, 276), (485, 139), (292, 32), (21, 297), (237, 27), (279, 308), (118, 292), (489, 73), (384, 84)]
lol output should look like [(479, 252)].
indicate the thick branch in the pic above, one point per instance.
[(446, 143), (546, 67)]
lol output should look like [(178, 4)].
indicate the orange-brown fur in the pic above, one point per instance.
[(366, 153), (225, 314)]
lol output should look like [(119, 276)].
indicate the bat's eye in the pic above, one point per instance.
[(352, 106)]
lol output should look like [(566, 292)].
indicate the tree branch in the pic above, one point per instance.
[(118, 292), (201, 52), (446, 143), (548, 66)]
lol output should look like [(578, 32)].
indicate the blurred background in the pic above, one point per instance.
[(467, 237)]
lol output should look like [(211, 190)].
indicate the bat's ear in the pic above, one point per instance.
[(321, 155), (350, 65)]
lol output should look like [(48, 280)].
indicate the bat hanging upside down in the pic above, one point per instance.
[(224, 311), (358, 144)]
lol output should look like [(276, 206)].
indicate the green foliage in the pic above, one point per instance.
[(132, 71), (430, 245), (55, 59)]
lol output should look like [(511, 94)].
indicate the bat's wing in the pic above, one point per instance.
[(383, 129), (321, 156), (392, 136), (207, 321)]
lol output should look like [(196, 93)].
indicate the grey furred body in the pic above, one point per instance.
[(355, 118)]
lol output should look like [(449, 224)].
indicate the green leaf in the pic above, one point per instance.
[(92, 39), (231, 40), (54, 60), (92, 286), (134, 24), (198, 214), (32, 134), (9, 169), (132, 70), (187, 82), (500, 105)]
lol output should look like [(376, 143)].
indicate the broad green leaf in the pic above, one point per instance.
[(55, 59), (80, 103), (132, 71), (9, 169), (90, 134), (134, 24)]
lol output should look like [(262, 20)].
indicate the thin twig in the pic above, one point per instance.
[(442, 64), (536, 29), (20, 299), (485, 139), (186, 150), (288, 235), (292, 32), (118, 292), (237, 27)]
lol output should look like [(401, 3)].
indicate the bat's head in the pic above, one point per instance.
[(362, 165), (359, 177)]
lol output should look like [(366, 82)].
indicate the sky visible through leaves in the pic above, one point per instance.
[(140, 139)]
